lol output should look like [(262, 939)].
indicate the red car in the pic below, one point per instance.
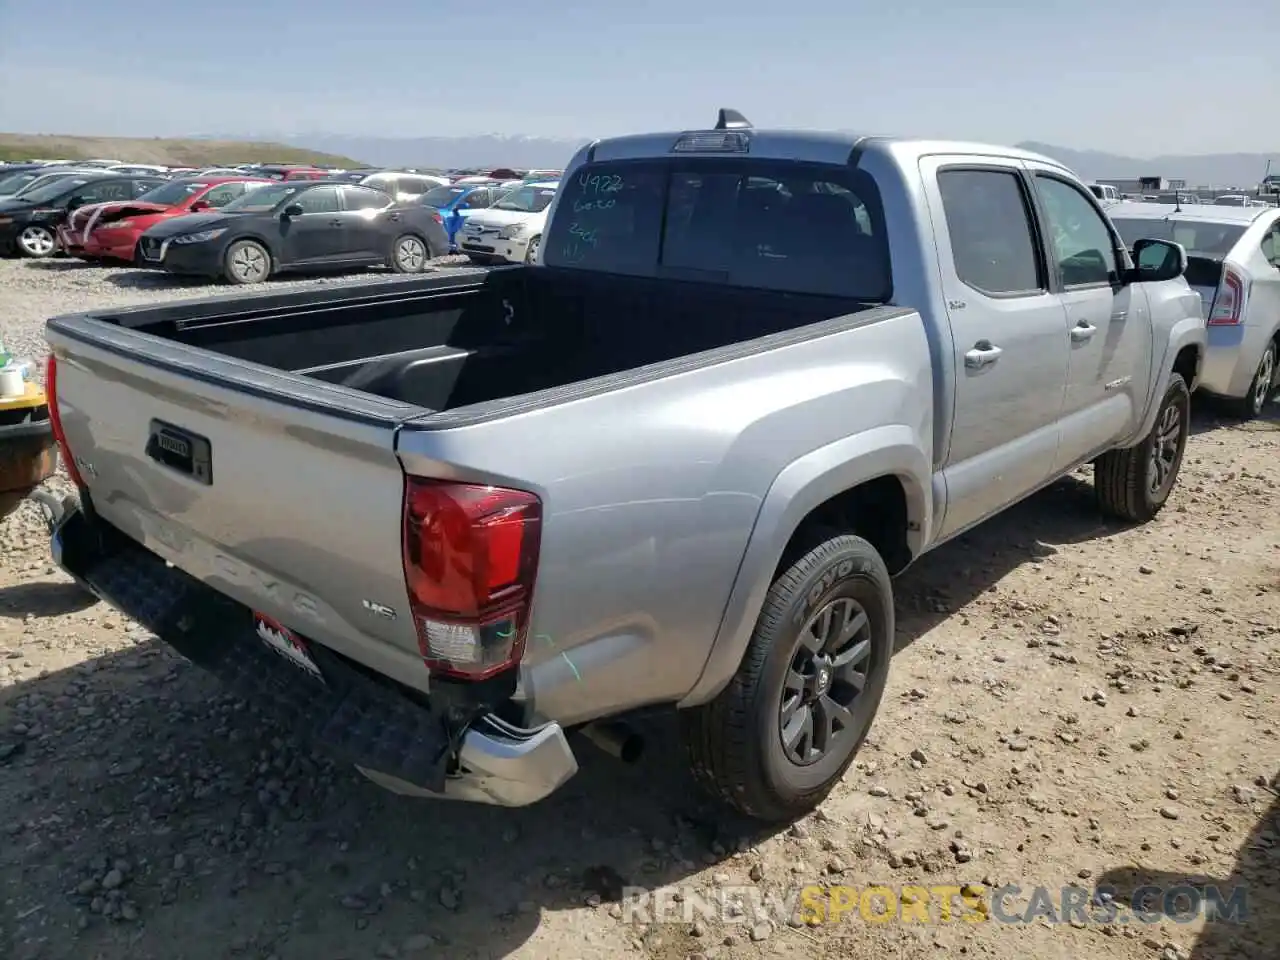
[(110, 231)]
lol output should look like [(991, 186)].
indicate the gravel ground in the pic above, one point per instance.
[(1073, 703)]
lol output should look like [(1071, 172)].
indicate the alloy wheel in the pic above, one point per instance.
[(1165, 450), (249, 264), (828, 669), (1262, 383), (36, 241), (411, 255)]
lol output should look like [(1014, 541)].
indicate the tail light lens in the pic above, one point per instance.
[(470, 559), (55, 420), (435, 215), (1228, 304)]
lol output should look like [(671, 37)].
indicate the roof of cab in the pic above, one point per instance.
[(805, 145), (1208, 212)]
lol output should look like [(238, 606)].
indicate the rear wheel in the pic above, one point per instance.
[(409, 254), (780, 736), (37, 242), (1134, 484), (1262, 386), (246, 261)]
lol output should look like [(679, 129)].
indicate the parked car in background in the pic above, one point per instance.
[(271, 171), (16, 177), (50, 175), (1233, 263), (296, 226), (404, 187), (1232, 200), (110, 231), (29, 222), (139, 169), (511, 229), (459, 201)]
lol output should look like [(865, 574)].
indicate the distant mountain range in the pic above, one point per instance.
[(1215, 169), (1210, 169), (490, 150)]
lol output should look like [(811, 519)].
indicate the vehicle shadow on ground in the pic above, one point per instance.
[(944, 581), (159, 280), (42, 598), (1208, 416), (65, 264), (1252, 886), (237, 842)]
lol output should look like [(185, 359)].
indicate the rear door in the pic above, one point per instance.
[(366, 223), (1110, 337), (1009, 334)]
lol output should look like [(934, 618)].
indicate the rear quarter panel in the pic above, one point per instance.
[(651, 494)]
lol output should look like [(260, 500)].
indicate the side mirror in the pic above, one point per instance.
[(199, 205), (1158, 260), (292, 210)]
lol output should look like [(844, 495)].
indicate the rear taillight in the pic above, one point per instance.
[(1229, 301), (55, 420), (435, 215), (470, 559)]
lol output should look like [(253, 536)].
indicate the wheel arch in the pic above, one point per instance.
[(874, 484)]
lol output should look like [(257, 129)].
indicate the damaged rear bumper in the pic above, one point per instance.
[(407, 743)]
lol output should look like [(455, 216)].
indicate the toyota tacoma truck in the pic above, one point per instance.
[(457, 526)]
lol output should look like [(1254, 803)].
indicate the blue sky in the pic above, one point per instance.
[(1173, 76)]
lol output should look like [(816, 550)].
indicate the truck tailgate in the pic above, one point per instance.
[(283, 493)]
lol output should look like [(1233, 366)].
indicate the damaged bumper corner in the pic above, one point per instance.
[(501, 765), (402, 743)]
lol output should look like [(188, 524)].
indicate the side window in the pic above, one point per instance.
[(223, 194), (476, 200), (104, 192), (363, 198), (1082, 244), (318, 200), (1271, 246), (989, 224), (415, 186)]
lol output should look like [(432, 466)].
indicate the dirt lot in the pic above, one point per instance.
[(1073, 703)]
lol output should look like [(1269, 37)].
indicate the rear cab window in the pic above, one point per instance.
[(784, 226)]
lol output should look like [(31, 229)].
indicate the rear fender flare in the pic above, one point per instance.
[(803, 485)]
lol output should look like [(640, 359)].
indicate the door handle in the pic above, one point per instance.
[(335, 222), (1083, 331), (1120, 315), (983, 354)]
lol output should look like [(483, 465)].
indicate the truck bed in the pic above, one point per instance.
[(441, 343), (297, 416)]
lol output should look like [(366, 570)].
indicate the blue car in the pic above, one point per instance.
[(458, 201)]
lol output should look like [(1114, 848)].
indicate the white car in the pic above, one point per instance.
[(1234, 264), (510, 231)]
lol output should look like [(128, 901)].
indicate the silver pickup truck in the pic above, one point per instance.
[(451, 523)]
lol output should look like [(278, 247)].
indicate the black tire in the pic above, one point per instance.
[(1261, 387), (409, 254), (1126, 480), (735, 743), (246, 252), (531, 252)]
